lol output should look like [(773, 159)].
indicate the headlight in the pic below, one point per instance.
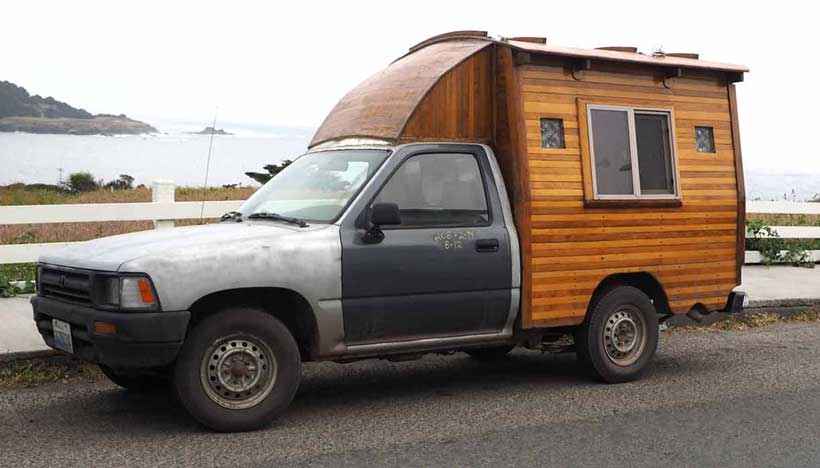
[(128, 292)]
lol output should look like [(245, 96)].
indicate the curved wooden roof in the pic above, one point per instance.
[(381, 105)]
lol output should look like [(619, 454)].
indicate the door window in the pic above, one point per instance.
[(438, 190)]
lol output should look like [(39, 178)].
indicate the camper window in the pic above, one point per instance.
[(632, 153), (552, 133), (705, 139)]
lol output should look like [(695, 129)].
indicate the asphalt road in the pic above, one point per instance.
[(728, 399)]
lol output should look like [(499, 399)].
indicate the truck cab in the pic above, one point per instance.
[(356, 252), (476, 195)]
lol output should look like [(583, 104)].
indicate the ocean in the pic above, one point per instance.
[(173, 155), (181, 157)]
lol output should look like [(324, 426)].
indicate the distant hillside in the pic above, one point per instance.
[(22, 112), (15, 101)]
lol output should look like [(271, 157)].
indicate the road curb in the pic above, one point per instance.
[(780, 303), (25, 355), (783, 308)]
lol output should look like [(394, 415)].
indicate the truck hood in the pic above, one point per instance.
[(110, 253)]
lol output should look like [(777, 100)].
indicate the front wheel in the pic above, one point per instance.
[(619, 336), (238, 370)]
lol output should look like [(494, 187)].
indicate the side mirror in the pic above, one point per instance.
[(385, 214), (381, 214)]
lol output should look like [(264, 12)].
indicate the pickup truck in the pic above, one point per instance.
[(406, 229), (348, 253)]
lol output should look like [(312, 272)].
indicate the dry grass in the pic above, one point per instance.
[(36, 372), (70, 232), (787, 219), (14, 195)]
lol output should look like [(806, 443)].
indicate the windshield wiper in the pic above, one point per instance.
[(278, 217), (232, 216)]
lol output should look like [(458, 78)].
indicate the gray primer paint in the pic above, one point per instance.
[(188, 263)]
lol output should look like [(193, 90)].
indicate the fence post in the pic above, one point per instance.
[(162, 191)]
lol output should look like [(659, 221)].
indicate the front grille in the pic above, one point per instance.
[(67, 285)]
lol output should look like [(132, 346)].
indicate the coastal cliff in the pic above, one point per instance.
[(22, 112)]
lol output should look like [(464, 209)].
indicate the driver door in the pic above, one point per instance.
[(445, 270)]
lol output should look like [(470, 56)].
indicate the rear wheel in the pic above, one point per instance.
[(619, 337), (489, 354), (238, 370)]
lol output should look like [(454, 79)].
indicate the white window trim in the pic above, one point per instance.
[(633, 150)]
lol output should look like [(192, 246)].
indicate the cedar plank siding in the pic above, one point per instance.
[(691, 249)]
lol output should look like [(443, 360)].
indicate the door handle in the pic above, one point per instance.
[(486, 245)]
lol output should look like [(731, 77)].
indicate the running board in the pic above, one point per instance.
[(427, 344)]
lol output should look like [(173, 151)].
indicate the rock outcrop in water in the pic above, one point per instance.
[(209, 130), (22, 112)]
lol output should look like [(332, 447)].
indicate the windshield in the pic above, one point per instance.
[(317, 186)]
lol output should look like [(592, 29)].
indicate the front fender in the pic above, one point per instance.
[(306, 262)]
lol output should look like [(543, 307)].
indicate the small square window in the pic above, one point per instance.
[(552, 133), (705, 139)]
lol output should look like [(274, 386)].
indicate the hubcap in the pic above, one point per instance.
[(238, 371), (625, 335)]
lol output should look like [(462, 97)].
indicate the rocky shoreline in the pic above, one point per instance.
[(22, 112), (97, 125)]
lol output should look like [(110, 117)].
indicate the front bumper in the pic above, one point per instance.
[(142, 340)]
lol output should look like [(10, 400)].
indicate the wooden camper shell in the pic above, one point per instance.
[(467, 87)]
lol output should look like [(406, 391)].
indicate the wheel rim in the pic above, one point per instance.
[(624, 335), (238, 371)]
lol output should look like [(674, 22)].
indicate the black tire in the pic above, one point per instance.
[(603, 341), (237, 327), (142, 383), (489, 354)]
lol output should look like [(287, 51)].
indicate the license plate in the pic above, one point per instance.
[(62, 335)]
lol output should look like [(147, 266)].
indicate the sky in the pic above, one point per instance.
[(288, 63)]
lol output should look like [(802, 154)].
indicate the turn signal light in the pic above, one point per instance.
[(105, 328), (146, 294)]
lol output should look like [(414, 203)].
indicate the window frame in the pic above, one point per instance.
[(481, 170), (630, 110)]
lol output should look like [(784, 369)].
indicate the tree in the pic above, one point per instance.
[(81, 182), (272, 169)]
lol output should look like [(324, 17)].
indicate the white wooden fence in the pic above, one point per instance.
[(786, 232), (163, 209)]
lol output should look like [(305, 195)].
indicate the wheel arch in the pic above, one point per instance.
[(287, 305), (643, 281)]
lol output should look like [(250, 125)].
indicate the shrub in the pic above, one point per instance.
[(82, 182), (773, 249), (125, 182)]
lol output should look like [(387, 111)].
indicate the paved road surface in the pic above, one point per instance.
[(729, 399)]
